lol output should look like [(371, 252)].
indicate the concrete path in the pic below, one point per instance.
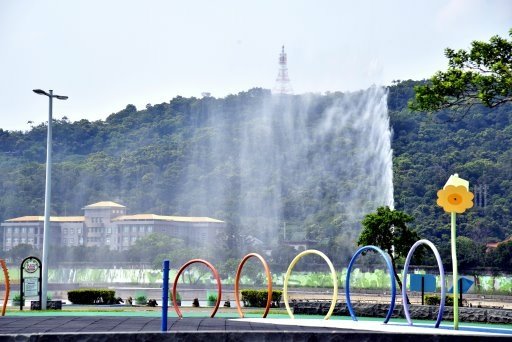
[(102, 328)]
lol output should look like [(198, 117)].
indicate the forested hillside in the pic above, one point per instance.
[(141, 158), (427, 149)]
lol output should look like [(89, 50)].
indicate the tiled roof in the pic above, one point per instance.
[(52, 219), (154, 217)]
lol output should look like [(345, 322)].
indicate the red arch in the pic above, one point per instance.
[(215, 274)]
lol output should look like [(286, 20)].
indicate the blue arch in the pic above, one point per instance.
[(441, 273), (391, 274)]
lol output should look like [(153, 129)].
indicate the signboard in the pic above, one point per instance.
[(31, 287), (30, 279), (429, 283)]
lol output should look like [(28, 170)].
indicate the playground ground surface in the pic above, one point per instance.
[(81, 319)]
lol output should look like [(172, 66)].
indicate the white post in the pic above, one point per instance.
[(47, 209)]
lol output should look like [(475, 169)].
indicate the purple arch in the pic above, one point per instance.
[(441, 272)]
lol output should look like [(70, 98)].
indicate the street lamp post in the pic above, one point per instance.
[(47, 197)]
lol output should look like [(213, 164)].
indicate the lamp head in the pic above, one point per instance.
[(40, 92)]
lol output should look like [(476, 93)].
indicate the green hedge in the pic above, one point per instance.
[(258, 298), (91, 296), (436, 300)]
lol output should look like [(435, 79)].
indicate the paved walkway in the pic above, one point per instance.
[(145, 329), (77, 324)]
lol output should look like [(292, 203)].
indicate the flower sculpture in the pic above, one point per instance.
[(455, 199)]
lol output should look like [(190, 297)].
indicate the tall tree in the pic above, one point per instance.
[(481, 75), (387, 229)]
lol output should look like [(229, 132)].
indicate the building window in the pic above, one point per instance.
[(65, 230), (107, 241), (9, 230), (126, 229), (30, 230), (134, 238), (31, 241), (141, 229), (126, 240), (150, 229), (23, 230), (72, 231), (109, 230), (8, 241)]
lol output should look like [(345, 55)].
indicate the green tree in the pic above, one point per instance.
[(502, 256), (387, 229), (151, 246), (470, 254), (483, 74), (20, 252)]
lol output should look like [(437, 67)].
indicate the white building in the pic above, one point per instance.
[(107, 224)]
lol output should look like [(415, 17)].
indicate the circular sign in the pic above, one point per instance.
[(31, 265)]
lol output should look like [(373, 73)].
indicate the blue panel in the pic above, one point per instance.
[(415, 282), (429, 285), (466, 285)]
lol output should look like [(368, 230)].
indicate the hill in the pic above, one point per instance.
[(210, 157)]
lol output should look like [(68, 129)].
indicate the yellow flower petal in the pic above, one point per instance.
[(455, 199)]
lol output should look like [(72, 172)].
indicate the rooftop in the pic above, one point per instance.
[(104, 204), (52, 219), (153, 217)]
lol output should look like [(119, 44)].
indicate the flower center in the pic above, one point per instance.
[(455, 199)]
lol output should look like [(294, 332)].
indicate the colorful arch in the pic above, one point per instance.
[(391, 274), (333, 275), (215, 274), (237, 283), (441, 272), (7, 285)]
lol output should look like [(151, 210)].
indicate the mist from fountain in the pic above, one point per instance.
[(291, 160)]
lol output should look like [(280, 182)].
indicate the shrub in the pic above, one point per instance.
[(141, 300), (258, 298), (436, 300), (91, 296)]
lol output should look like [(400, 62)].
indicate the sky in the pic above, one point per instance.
[(107, 54)]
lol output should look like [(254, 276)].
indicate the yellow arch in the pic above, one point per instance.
[(333, 275)]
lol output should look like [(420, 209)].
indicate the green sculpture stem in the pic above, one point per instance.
[(455, 275)]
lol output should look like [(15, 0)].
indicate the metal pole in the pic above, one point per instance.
[(165, 294), (47, 197), (455, 273), (422, 290)]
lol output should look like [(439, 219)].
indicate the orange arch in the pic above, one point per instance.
[(237, 283), (215, 274), (7, 285)]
